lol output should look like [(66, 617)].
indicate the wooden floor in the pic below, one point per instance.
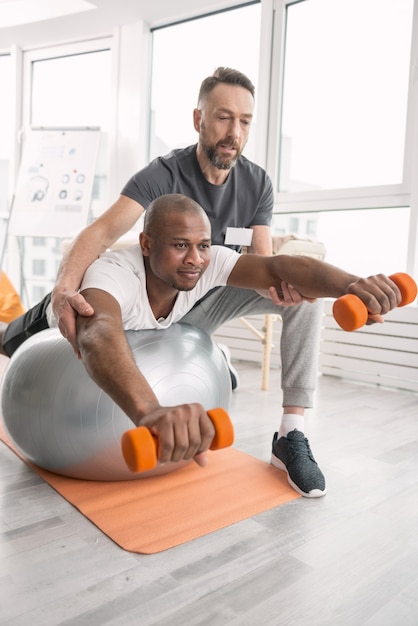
[(348, 559)]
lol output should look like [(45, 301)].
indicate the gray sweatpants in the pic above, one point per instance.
[(299, 339)]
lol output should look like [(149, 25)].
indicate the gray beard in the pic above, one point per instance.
[(216, 161)]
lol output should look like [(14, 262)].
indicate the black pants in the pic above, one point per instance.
[(25, 326)]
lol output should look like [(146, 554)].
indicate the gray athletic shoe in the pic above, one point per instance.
[(293, 455)]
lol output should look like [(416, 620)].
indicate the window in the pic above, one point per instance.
[(68, 87), (352, 240), (345, 94), (37, 293), (341, 147), (71, 90), (6, 130), (311, 228), (39, 241), (183, 55), (6, 139), (38, 267)]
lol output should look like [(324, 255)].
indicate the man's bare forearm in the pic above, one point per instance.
[(184, 431), (313, 278), (109, 362)]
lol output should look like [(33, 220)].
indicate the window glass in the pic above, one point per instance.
[(6, 138), (183, 55), (38, 266), (72, 90), (345, 93), (361, 242)]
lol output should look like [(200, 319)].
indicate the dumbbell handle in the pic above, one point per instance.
[(140, 447), (351, 313)]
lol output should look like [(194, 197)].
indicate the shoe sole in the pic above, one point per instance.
[(234, 377), (315, 493), (232, 371)]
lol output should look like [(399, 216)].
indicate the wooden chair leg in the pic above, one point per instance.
[(267, 346)]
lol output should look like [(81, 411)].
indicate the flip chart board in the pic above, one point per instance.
[(55, 183)]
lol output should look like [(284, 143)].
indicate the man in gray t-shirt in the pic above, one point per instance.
[(235, 193), (244, 200)]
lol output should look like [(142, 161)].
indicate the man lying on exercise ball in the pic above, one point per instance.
[(157, 283)]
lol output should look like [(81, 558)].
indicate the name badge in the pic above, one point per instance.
[(238, 236)]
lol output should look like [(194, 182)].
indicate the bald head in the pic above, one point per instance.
[(168, 207), (175, 244)]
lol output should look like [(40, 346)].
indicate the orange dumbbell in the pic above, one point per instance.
[(351, 313), (140, 447)]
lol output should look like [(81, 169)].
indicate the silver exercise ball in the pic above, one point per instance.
[(59, 419)]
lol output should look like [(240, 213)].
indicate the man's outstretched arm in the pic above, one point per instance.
[(315, 279), (184, 431)]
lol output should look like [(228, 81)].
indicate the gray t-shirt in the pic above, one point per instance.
[(244, 200)]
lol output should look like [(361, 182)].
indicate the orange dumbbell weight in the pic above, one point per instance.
[(351, 313), (140, 447)]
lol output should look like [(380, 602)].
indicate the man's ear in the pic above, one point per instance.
[(145, 243), (197, 116)]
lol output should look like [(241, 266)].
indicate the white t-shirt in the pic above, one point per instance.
[(122, 274)]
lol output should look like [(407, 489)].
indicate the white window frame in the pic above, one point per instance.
[(53, 52), (384, 196), (130, 79)]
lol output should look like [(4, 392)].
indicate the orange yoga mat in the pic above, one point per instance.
[(153, 514)]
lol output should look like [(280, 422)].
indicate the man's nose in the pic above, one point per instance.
[(235, 128), (193, 256)]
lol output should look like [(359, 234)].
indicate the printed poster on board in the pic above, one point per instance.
[(55, 183)]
